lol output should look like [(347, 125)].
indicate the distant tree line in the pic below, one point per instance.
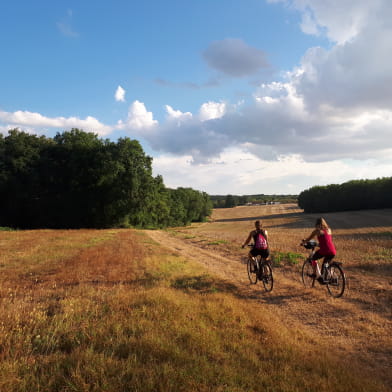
[(228, 201), (76, 180), (351, 195)]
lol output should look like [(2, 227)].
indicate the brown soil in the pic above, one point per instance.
[(358, 326)]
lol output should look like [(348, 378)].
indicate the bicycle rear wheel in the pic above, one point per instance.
[(308, 277), (336, 282), (267, 277), (252, 269)]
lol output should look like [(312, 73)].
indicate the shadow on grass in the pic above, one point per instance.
[(262, 217), (203, 284)]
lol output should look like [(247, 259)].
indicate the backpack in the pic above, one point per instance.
[(260, 241)]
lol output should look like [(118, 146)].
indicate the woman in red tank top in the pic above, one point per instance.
[(326, 247)]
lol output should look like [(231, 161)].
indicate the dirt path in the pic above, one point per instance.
[(357, 326)]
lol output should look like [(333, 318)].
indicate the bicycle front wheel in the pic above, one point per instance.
[(251, 267), (267, 277), (308, 277), (336, 282)]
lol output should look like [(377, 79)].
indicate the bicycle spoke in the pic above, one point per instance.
[(336, 282), (308, 274), (252, 271), (267, 277)]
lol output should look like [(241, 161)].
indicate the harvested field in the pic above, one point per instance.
[(357, 327)]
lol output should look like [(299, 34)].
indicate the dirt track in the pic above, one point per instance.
[(357, 326)]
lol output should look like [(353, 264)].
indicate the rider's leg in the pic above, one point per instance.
[(253, 258), (316, 268)]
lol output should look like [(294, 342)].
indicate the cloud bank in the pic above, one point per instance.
[(331, 115), (335, 105)]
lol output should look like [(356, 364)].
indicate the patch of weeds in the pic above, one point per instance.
[(286, 258), (2, 228), (383, 254)]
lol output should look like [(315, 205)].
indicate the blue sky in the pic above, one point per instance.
[(227, 96)]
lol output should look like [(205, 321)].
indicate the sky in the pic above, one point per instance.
[(227, 96)]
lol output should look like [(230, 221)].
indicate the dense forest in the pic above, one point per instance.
[(351, 195), (76, 180), (229, 201)]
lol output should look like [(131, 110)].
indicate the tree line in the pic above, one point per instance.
[(229, 201), (76, 179), (351, 195)]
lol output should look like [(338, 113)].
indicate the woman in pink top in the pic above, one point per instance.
[(326, 247)]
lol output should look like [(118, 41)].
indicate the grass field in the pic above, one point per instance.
[(114, 310)]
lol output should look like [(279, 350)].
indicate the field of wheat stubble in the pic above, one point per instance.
[(358, 326), (173, 310)]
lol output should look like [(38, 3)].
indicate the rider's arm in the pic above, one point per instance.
[(313, 235), (247, 240), (266, 235)]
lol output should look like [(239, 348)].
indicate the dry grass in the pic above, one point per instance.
[(112, 311), (360, 323)]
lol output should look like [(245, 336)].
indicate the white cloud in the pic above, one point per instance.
[(339, 20), (238, 172), (23, 119), (177, 114), (119, 94), (211, 110), (138, 118), (234, 57)]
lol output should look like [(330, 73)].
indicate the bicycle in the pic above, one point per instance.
[(260, 270), (331, 272)]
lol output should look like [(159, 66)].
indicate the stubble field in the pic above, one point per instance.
[(173, 310), (356, 327)]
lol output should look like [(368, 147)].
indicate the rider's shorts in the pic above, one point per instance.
[(264, 253), (318, 256)]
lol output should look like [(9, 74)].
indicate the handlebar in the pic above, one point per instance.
[(309, 244), (249, 245)]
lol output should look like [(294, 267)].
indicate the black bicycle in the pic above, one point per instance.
[(332, 274), (260, 269)]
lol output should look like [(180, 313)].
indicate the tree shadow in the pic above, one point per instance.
[(339, 219), (261, 217), (203, 284)]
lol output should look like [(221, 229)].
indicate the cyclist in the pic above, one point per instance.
[(260, 243), (326, 247)]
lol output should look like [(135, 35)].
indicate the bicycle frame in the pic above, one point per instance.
[(259, 269), (332, 273)]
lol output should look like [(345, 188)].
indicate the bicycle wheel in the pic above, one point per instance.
[(251, 267), (267, 277), (336, 282), (307, 274)]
